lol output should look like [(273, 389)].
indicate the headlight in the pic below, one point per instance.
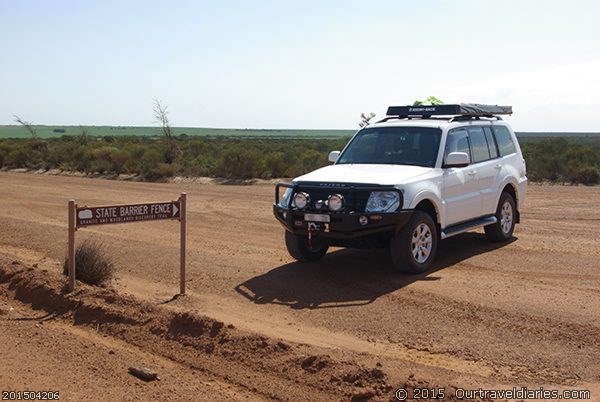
[(335, 202), (301, 200), (383, 201)]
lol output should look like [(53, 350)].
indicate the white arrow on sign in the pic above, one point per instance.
[(175, 209)]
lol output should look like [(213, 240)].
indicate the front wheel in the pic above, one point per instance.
[(413, 249), (502, 230), (301, 249)]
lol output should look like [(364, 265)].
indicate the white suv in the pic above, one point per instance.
[(419, 175)]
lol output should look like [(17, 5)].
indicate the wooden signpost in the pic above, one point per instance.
[(80, 217)]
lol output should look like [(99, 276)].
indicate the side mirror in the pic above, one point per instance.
[(457, 159), (333, 156)]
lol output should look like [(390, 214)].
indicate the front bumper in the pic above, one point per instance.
[(340, 225), (344, 226)]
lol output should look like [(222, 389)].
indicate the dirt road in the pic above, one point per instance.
[(522, 314)]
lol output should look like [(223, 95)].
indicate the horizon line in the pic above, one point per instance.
[(251, 129)]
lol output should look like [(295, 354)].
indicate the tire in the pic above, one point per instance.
[(502, 230), (298, 247), (413, 249)]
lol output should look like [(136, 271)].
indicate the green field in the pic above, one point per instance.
[(13, 131)]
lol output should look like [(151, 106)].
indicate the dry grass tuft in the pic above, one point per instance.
[(92, 264)]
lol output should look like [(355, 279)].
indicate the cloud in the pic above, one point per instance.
[(559, 98)]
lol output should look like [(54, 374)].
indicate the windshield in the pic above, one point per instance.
[(394, 145)]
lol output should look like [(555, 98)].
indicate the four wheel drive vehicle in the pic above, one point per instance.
[(419, 175)]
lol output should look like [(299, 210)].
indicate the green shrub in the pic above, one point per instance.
[(70, 155), (587, 175), (556, 159), (92, 264), (136, 151), (149, 161), (307, 161), (37, 145), (171, 150), (104, 152), (201, 166), (240, 163), (100, 166), (161, 171), (119, 158), (275, 164), (17, 158), (559, 160), (194, 149)]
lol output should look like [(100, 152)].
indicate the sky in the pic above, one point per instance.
[(296, 64)]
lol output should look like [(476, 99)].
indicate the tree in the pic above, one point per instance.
[(162, 116), (171, 149), (83, 136), (365, 119), (27, 125)]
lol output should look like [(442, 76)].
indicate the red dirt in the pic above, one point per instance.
[(257, 325)]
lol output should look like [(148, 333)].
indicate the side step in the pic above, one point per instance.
[(466, 226)]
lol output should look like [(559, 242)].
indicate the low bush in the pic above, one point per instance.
[(100, 166), (557, 160), (92, 264), (241, 163), (587, 175), (560, 160), (18, 157), (161, 171)]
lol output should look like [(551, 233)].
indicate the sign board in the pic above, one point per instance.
[(88, 216), (80, 217)]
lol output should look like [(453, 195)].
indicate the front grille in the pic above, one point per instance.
[(355, 199)]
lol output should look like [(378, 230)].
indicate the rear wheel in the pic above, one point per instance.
[(413, 249), (502, 230), (301, 249)]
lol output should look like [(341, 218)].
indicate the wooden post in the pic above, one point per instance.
[(182, 220), (71, 251)]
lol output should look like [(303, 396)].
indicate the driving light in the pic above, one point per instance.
[(383, 201), (335, 202), (301, 200)]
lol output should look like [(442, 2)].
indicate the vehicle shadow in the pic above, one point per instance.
[(350, 277)]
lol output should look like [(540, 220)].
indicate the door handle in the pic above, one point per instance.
[(472, 173), (498, 166)]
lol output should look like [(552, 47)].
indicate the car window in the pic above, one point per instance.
[(491, 142), (457, 141), (416, 146), (504, 140), (365, 146), (479, 146)]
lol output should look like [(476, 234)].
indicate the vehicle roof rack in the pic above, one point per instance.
[(454, 112)]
